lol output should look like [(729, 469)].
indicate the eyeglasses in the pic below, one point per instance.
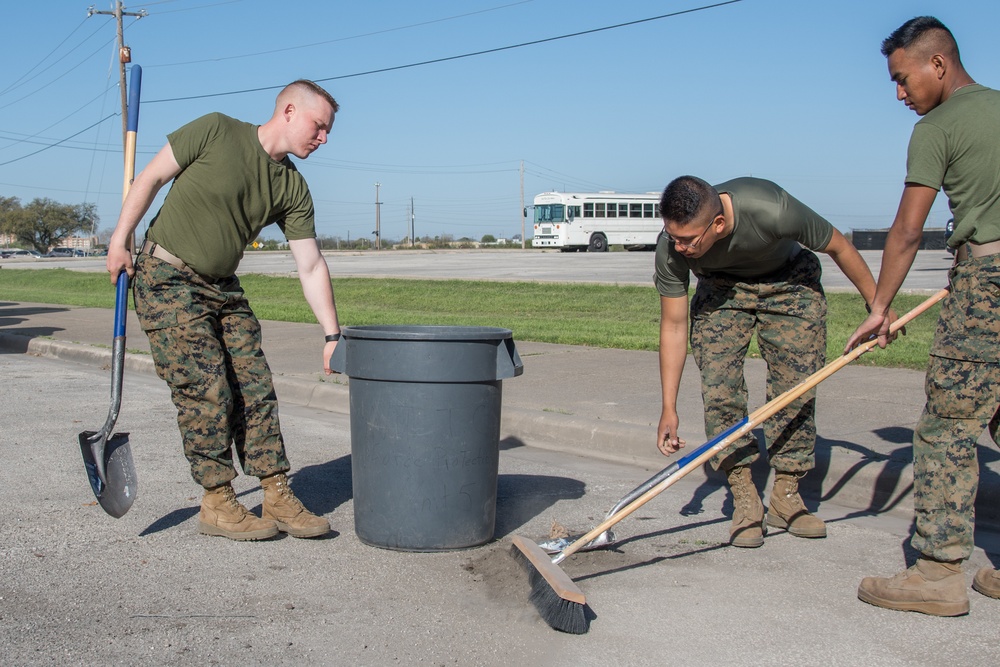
[(678, 243)]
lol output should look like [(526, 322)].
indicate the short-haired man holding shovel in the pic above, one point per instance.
[(230, 180), (751, 246), (955, 147)]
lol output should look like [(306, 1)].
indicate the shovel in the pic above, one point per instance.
[(107, 457)]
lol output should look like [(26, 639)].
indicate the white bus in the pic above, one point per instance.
[(594, 220)]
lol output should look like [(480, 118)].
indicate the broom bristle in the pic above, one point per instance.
[(561, 614)]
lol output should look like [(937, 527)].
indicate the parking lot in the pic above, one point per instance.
[(929, 272)]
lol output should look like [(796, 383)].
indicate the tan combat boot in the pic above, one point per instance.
[(748, 511), (787, 509), (929, 587), (281, 506), (223, 515), (987, 582)]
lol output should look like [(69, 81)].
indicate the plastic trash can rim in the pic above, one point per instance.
[(424, 332)]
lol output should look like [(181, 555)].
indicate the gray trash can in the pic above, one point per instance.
[(425, 431)]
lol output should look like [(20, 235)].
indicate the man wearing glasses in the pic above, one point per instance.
[(751, 245)]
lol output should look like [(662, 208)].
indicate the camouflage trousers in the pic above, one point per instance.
[(963, 400), (205, 342), (787, 312)]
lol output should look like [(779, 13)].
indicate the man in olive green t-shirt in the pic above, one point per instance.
[(751, 246), (955, 147), (230, 180)]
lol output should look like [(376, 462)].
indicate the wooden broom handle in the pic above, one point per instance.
[(760, 415)]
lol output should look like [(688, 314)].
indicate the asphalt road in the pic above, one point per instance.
[(80, 588), (929, 272)]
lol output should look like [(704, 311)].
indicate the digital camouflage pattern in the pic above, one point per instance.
[(963, 397), (968, 326), (205, 343), (787, 311)]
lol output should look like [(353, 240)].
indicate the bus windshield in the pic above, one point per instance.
[(549, 212)]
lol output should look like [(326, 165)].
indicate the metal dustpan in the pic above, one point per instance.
[(106, 457)]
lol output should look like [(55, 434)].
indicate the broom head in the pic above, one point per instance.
[(558, 600)]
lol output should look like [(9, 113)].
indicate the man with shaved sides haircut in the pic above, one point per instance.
[(750, 244), (955, 146), (230, 179)]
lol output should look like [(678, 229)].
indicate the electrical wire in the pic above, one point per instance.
[(339, 39), (458, 57), (40, 150), (38, 63)]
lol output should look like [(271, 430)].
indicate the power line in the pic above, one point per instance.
[(339, 39), (26, 138), (458, 57), (399, 67), (37, 90), (50, 54), (40, 150)]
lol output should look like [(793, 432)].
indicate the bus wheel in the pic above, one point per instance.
[(598, 243)]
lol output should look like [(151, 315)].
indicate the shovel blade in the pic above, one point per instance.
[(118, 494)]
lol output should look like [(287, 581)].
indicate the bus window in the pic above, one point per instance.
[(622, 210), (599, 210), (588, 210), (635, 210), (574, 212), (647, 210), (549, 213), (612, 210)]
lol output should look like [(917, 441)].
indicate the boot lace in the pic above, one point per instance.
[(229, 499), (791, 492), (741, 496), (286, 495)]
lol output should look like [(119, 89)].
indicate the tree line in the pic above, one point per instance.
[(43, 223)]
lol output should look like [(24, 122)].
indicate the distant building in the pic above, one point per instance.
[(85, 243), (82, 242)]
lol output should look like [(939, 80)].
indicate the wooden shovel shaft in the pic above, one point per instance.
[(755, 419)]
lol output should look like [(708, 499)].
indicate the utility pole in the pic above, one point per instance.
[(124, 54), (378, 234), (412, 225), (523, 210)]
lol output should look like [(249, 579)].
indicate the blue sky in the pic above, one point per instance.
[(791, 90)]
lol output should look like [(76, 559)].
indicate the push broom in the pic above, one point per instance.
[(559, 601)]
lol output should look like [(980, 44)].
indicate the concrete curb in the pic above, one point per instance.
[(871, 484)]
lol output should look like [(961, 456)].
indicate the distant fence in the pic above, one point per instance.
[(874, 239)]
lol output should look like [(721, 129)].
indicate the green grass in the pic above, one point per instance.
[(624, 317)]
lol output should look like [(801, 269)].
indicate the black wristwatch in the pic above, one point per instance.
[(330, 338)]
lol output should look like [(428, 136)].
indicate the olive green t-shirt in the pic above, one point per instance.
[(769, 227), (228, 190), (956, 146)]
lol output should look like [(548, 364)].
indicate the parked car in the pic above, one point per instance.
[(18, 252), (60, 252)]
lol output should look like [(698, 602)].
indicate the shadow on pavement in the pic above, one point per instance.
[(520, 498), (324, 487), (171, 520), (12, 314)]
